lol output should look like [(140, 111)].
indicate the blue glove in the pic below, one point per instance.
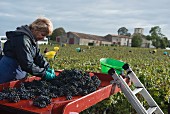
[(51, 70), (49, 75)]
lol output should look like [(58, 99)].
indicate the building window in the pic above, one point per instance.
[(113, 42)]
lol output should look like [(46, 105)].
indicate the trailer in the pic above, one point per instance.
[(61, 105)]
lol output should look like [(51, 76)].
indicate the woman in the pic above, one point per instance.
[(22, 55)]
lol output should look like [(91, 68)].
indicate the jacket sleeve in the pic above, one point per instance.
[(26, 57), (40, 60)]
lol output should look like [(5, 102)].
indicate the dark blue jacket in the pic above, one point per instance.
[(21, 45)]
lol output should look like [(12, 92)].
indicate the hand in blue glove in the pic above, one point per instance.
[(51, 70), (49, 75)]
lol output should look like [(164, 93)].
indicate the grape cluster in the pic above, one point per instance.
[(16, 94), (41, 101), (68, 83), (75, 82)]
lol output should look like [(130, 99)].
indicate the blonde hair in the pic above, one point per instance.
[(42, 24)]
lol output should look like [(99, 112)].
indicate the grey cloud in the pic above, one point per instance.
[(98, 17)]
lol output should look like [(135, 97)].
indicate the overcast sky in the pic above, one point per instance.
[(98, 17)]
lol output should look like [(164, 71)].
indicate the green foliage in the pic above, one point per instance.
[(136, 40), (152, 69), (155, 31), (163, 43), (148, 37), (57, 32), (123, 31), (158, 39), (156, 43)]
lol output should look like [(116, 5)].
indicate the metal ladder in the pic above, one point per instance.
[(131, 94)]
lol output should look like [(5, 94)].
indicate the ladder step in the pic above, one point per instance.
[(137, 90), (151, 110)]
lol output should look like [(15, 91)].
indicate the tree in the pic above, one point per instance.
[(128, 34), (137, 40), (57, 32), (158, 39), (122, 31), (164, 43), (148, 37), (156, 30)]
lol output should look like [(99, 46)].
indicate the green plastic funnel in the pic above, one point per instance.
[(108, 63)]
